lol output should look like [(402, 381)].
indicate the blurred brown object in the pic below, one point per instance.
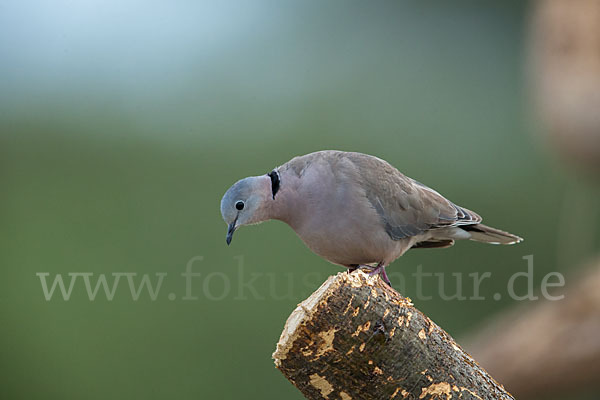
[(548, 347), (565, 77)]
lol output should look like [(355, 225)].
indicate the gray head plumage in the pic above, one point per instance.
[(243, 202)]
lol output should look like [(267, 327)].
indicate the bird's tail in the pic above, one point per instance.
[(487, 234)]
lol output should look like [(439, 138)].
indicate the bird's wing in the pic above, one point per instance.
[(406, 207)]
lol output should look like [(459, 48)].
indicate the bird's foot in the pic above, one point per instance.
[(380, 269)]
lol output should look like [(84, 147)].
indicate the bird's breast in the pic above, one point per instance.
[(329, 210), (346, 236)]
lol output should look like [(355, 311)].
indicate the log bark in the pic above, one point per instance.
[(357, 338)]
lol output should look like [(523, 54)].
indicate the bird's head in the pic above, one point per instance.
[(245, 203)]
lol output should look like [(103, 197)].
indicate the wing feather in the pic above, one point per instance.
[(406, 207)]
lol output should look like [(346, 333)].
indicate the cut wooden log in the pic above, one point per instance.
[(357, 338)]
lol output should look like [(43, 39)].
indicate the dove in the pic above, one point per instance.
[(354, 210)]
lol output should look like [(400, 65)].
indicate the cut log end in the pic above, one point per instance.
[(357, 338)]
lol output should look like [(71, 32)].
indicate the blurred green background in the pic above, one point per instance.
[(123, 123)]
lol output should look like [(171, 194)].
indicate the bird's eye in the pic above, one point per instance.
[(239, 205)]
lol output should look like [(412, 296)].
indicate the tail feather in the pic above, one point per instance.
[(487, 234)]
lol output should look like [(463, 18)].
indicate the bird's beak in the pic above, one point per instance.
[(230, 229)]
